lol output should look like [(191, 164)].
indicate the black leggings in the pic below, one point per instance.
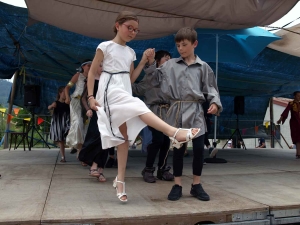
[(198, 148), (161, 143), (206, 140)]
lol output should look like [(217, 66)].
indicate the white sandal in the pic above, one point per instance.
[(189, 137), (120, 195)]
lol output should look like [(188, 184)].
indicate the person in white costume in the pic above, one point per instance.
[(120, 115), (76, 133)]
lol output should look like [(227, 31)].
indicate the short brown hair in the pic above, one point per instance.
[(125, 16), (187, 33)]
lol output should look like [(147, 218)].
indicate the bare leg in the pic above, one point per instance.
[(177, 180), (298, 148), (196, 179), (122, 156), (79, 147), (62, 149), (94, 166), (102, 177), (153, 121)]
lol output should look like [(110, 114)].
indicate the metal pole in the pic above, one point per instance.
[(10, 105), (271, 123), (217, 59)]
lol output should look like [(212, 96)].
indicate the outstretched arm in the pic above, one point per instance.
[(69, 86), (84, 102), (52, 106), (285, 113), (91, 78), (147, 56)]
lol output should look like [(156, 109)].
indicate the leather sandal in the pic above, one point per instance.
[(63, 160), (94, 173), (101, 178), (189, 137)]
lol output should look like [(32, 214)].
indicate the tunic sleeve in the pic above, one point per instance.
[(285, 113), (140, 88), (103, 47), (210, 88), (152, 75)]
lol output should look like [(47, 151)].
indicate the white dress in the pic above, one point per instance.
[(122, 105), (76, 132)]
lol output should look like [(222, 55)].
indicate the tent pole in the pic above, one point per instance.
[(217, 58), (271, 123), (10, 105)]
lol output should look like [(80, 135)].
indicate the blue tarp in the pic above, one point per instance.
[(50, 56)]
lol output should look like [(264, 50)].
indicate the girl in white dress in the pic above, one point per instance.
[(121, 116)]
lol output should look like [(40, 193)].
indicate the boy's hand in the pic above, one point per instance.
[(213, 109)]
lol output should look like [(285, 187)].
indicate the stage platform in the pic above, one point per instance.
[(256, 186)]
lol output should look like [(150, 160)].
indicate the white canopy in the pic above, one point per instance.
[(290, 42), (95, 18)]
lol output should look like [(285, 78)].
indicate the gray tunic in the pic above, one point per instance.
[(153, 98), (184, 86)]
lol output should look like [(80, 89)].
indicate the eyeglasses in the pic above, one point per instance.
[(131, 29)]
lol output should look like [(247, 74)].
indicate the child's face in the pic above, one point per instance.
[(62, 94), (163, 60), (86, 68), (128, 30), (186, 48)]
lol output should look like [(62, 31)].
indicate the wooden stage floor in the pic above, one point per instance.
[(256, 186)]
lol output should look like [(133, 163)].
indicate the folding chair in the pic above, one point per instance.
[(23, 134)]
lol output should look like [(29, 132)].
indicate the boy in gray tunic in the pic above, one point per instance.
[(157, 103), (184, 81)]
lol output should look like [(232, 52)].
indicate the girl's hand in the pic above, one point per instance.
[(213, 109), (144, 58), (93, 104), (150, 53), (89, 113)]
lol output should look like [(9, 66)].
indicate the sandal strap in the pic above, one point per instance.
[(174, 136)]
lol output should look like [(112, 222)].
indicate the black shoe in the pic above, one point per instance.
[(198, 192), (164, 174), (175, 193), (110, 162), (73, 151), (148, 174)]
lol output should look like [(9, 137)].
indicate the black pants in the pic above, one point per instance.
[(100, 158), (161, 143), (198, 148), (111, 151)]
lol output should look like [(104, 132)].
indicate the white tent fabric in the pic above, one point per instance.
[(290, 42), (158, 18)]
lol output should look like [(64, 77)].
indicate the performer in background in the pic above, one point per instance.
[(60, 121), (294, 108), (76, 134)]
